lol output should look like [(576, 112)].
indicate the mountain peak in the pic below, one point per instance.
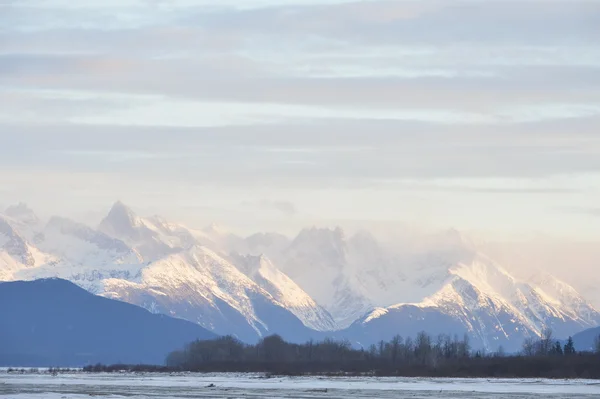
[(120, 207), (120, 218), (22, 213)]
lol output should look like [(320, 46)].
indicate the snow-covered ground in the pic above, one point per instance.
[(80, 385)]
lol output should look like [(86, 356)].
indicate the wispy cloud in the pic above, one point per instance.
[(421, 103)]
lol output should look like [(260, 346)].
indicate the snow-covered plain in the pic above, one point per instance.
[(79, 385)]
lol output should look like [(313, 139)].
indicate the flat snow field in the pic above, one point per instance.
[(81, 385)]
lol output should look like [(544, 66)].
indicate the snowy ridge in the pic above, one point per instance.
[(163, 267), (498, 310), (16, 251), (78, 244), (262, 271), (199, 276), (322, 280)]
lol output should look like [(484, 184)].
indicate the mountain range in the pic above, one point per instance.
[(321, 283)]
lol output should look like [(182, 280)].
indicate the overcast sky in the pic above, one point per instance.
[(262, 114)]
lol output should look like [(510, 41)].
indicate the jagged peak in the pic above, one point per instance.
[(120, 218), (120, 208), (22, 213)]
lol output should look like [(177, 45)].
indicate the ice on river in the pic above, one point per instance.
[(225, 385)]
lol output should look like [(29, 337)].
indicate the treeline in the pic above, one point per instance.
[(442, 356), (546, 345)]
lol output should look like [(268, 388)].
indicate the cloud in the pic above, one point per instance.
[(359, 153), (429, 104)]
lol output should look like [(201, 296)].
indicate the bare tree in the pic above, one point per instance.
[(546, 341), (529, 347), (395, 348)]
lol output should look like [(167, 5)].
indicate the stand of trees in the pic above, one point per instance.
[(547, 346), (442, 356)]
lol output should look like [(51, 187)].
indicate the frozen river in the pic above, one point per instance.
[(80, 385)]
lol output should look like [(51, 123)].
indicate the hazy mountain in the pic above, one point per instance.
[(322, 280), (285, 291), (23, 214), (484, 300), (16, 252), (167, 268), (55, 323), (586, 340), (444, 284)]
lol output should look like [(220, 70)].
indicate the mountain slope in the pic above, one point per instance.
[(322, 280), (285, 291), (323, 253), (201, 286), (16, 252), (55, 323), (586, 340), (79, 244), (164, 267), (150, 238), (484, 300), (442, 284)]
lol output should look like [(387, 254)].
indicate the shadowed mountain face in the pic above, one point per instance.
[(53, 322), (586, 340)]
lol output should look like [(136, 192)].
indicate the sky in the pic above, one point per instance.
[(482, 115)]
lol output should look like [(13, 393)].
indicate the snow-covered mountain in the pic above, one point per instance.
[(200, 285), (167, 268), (442, 285), (264, 273), (323, 280), (487, 302), (317, 260), (78, 244), (16, 252), (151, 237), (355, 274)]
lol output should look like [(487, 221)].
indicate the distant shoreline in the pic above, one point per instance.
[(269, 373)]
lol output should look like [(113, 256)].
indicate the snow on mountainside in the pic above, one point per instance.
[(79, 244), (444, 281), (356, 274), (262, 271), (322, 279), (150, 238), (496, 309), (16, 253), (166, 268), (202, 286)]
